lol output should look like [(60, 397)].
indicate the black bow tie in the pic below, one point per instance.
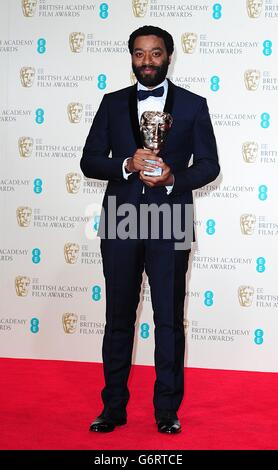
[(144, 94)]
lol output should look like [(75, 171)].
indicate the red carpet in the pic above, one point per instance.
[(50, 404)]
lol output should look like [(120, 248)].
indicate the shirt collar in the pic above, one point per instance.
[(164, 84)]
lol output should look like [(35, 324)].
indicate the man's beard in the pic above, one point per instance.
[(154, 79)]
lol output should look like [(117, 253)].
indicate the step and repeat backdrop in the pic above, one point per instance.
[(58, 59)]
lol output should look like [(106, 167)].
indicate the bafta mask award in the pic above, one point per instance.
[(154, 127)]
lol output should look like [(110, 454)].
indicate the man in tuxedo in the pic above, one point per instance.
[(116, 129)]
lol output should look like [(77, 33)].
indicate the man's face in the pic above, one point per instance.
[(150, 60)]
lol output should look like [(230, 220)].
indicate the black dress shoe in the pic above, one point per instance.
[(106, 423), (168, 422)]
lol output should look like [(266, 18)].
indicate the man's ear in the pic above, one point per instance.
[(169, 58)]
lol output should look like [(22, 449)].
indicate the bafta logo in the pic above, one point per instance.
[(69, 321), (133, 79), (76, 41), (189, 42), (21, 285), (254, 8), (245, 295), (252, 79), (27, 76), (73, 182), (140, 7), (75, 111), (23, 215), (29, 7), (25, 146), (71, 252), (250, 151), (247, 224)]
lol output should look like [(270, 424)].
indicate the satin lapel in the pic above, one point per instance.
[(170, 98), (133, 113), (168, 108)]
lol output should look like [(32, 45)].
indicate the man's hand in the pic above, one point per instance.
[(166, 179), (138, 161)]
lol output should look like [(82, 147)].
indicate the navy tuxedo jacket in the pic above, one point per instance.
[(115, 129)]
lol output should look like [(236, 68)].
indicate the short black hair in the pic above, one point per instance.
[(152, 30)]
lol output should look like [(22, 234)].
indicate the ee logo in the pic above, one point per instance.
[(39, 116), (96, 293), (101, 81), (41, 46), (37, 186), (217, 11), (103, 11), (260, 264), (267, 47), (36, 255), (210, 227), (258, 339), (208, 298), (262, 192), (34, 322), (144, 330), (265, 120), (214, 83)]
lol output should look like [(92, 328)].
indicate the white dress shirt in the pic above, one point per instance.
[(152, 103)]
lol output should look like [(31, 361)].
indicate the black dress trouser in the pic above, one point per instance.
[(123, 263)]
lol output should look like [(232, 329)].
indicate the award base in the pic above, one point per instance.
[(156, 172)]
